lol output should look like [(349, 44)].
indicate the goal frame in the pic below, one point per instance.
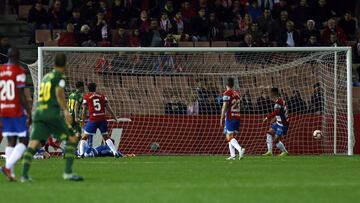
[(350, 132)]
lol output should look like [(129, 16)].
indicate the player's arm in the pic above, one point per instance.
[(224, 108), (108, 108), (83, 113), (76, 111), (274, 113), (60, 96), (25, 103)]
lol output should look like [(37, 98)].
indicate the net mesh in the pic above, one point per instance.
[(173, 99)]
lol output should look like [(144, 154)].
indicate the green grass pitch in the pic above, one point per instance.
[(192, 179)]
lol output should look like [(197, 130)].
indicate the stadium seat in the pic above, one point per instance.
[(24, 12), (219, 44), (202, 44), (51, 43), (186, 44), (356, 92), (180, 81), (55, 35), (228, 33), (234, 44), (42, 36)]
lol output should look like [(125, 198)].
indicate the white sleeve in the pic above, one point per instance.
[(62, 83), (21, 78), (226, 98)]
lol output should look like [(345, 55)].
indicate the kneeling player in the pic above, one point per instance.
[(96, 103), (280, 127), (231, 111)]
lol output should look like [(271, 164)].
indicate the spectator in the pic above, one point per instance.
[(169, 9), (67, 39), (66, 5), (279, 26), (302, 13), (200, 26), (279, 8), (312, 42), (165, 23), (85, 38), (234, 15), (104, 9), (37, 19), (215, 28), (187, 11), (219, 11), (255, 33), (333, 41), (332, 28), (316, 102), (57, 16), (266, 22), (170, 41), (322, 13), (203, 98), (254, 10), (192, 105), (102, 32), (266, 4), (246, 103), (4, 48), (119, 15), (243, 24), (134, 38), (310, 30), (88, 12), (265, 41), (296, 103), (76, 20), (154, 37), (248, 41), (348, 24), (178, 23), (175, 107), (264, 104), (290, 38), (121, 38), (144, 22)]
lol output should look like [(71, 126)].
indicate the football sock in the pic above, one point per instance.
[(82, 147), (269, 142), (28, 156), (111, 146), (69, 156), (235, 144), (8, 152), (232, 150), (15, 156), (281, 146)]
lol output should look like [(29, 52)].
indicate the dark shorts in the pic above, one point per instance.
[(55, 127)]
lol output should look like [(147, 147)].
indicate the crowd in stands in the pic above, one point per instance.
[(159, 23)]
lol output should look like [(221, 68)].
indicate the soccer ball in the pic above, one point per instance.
[(317, 134)]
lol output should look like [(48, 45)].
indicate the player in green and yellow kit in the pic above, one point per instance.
[(52, 117), (74, 103)]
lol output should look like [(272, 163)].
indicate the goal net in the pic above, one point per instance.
[(169, 99)]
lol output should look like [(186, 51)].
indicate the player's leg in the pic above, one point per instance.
[(233, 127), (82, 145), (231, 148), (9, 171), (269, 140), (103, 126), (280, 133), (62, 132), (20, 147), (39, 133)]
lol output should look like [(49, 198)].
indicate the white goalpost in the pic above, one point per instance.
[(171, 97)]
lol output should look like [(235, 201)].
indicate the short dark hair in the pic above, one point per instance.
[(316, 85), (60, 60), (275, 91), (91, 87), (79, 84), (230, 82)]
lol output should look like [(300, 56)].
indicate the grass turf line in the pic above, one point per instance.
[(192, 179)]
